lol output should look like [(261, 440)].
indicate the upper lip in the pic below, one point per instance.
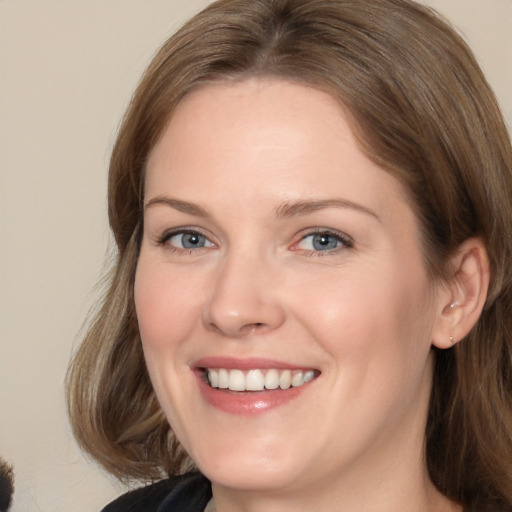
[(232, 363)]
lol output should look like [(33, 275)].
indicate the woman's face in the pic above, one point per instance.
[(275, 254)]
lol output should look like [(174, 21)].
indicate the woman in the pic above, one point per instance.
[(311, 303)]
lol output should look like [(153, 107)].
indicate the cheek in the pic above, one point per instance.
[(370, 316), (167, 306), (377, 335), (167, 312)]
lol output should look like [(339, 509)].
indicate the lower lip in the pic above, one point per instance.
[(248, 402)]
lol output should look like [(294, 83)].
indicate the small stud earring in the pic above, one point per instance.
[(453, 304), (451, 340)]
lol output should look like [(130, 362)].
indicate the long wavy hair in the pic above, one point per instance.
[(420, 108)]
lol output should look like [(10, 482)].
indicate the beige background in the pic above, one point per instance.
[(67, 69)]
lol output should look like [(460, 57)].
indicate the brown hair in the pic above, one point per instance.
[(421, 109)]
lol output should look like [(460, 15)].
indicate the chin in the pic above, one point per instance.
[(261, 465), (255, 476)]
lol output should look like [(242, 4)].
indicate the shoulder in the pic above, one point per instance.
[(185, 493)]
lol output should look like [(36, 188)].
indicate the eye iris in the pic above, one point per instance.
[(324, 241), (192, 240)]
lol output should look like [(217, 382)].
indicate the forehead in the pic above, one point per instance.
[(260, 136), (260, 104)]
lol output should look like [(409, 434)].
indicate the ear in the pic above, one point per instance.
[(462, 298)]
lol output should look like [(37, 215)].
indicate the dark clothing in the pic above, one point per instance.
[(6, 486), (186, 493)]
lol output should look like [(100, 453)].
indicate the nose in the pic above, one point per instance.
[(244, 299)]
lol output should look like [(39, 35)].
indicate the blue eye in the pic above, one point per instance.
[(323, 241), (188, 240)]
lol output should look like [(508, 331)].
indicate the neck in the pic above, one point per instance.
[(422, 497)]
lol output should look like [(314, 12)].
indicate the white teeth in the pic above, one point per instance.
[(309, 375), (272, 379), (285, 380), (297, 379), (223, 379), (258, 380), (213, 377), (254, 380), (236, 380)]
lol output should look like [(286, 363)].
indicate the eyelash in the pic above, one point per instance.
[(168, 235), (343, 240)]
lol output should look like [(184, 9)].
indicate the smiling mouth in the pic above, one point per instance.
[(257, 379)]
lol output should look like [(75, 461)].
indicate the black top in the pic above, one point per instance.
[(186, 493)]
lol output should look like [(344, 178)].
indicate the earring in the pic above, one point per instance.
[(453, 305)]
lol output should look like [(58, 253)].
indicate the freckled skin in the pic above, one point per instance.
[(259, 285)]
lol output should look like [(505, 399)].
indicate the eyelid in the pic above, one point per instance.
[(168, 234), (346, 242)]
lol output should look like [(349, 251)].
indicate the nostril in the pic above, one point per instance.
[(252, 328)]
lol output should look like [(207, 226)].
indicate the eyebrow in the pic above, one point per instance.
[(297, 208), (177, 204), (284, 211)]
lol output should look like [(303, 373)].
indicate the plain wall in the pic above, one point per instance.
[(67, 70)]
